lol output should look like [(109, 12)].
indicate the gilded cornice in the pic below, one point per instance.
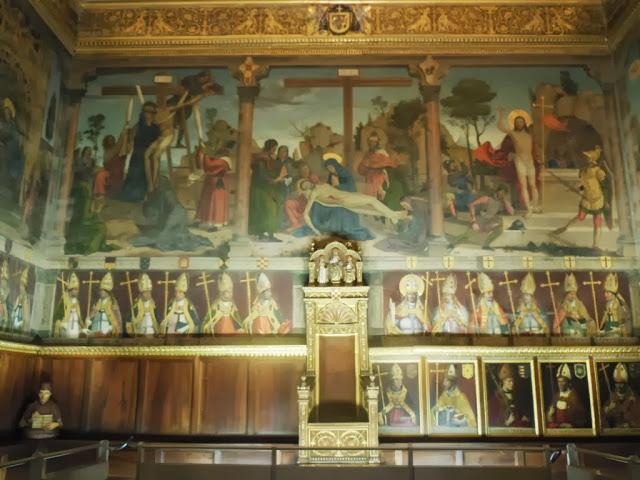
[(290, 27), (293, 28)]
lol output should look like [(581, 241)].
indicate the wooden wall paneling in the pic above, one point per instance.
[(111, 395), (273, 407), (222, 388), (67, 377), (166, 392), (16, 384)]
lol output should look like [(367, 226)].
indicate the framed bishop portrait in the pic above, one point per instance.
[(509, 398), (400, 400), (618, 387), (453, 398), (566, 398)]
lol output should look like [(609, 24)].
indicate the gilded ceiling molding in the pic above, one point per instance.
[(349, 29), (60, 16)]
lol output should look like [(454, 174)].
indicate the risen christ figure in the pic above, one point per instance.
[(519, 130), (329, 196)]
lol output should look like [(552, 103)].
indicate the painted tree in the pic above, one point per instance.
[(469, 105), (380, 105), (96, 125)]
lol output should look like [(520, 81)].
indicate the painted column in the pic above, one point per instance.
[(615, 158), (247, 73), (247, 96), (431, 73)]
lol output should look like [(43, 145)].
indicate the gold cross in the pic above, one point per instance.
[(508, 283), (166, 282), (204, 283), (592, 283), (89, 282), (437, 372), (469, 286), (550, 286), (427, 284), (128, 283), (438, 279), (247, 280)]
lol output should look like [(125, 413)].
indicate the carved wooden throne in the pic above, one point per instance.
[(337, 398)]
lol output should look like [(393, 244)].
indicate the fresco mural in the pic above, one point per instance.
[(632, 125), (580, 304), (17, 283), (115, 303), (27, 66), (523, 162)]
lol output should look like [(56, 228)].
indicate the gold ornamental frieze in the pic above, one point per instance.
[(295, 28)]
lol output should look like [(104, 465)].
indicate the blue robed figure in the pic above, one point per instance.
[(336, 220)]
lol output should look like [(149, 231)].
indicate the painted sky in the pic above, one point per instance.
[(279, 110), (511, 85)]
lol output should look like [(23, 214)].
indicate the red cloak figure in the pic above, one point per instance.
[(213, 207)]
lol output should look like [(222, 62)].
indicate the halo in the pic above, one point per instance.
[(519, 113), (333, 156), (413, 278)]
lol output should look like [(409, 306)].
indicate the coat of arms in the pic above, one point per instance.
[(340, 19), (580, 370)]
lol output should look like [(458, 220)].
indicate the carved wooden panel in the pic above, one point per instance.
[(272, 395), (16, 374), (111, 395), (337, 369), (165, 391), (67, 377), (222, 386)]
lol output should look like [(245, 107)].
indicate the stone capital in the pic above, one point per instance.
[(429, 71), (249, 73)]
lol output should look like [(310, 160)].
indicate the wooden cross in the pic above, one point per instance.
[(128, 283), (543, 106), (247, 280), (469, 287), (592, 283), (437, 279), (550, 286), (507, 283), (437, 382), (166, 282), (204, 283), (90, 282), (347, 83)]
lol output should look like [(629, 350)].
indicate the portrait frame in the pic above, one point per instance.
[(459, 432), (601, 401), (532, 431), (571, 360), (419, 402)]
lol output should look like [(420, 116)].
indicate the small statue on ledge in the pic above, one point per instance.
[(349, 271), (335, 267), (42, 420), (323, 273)]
